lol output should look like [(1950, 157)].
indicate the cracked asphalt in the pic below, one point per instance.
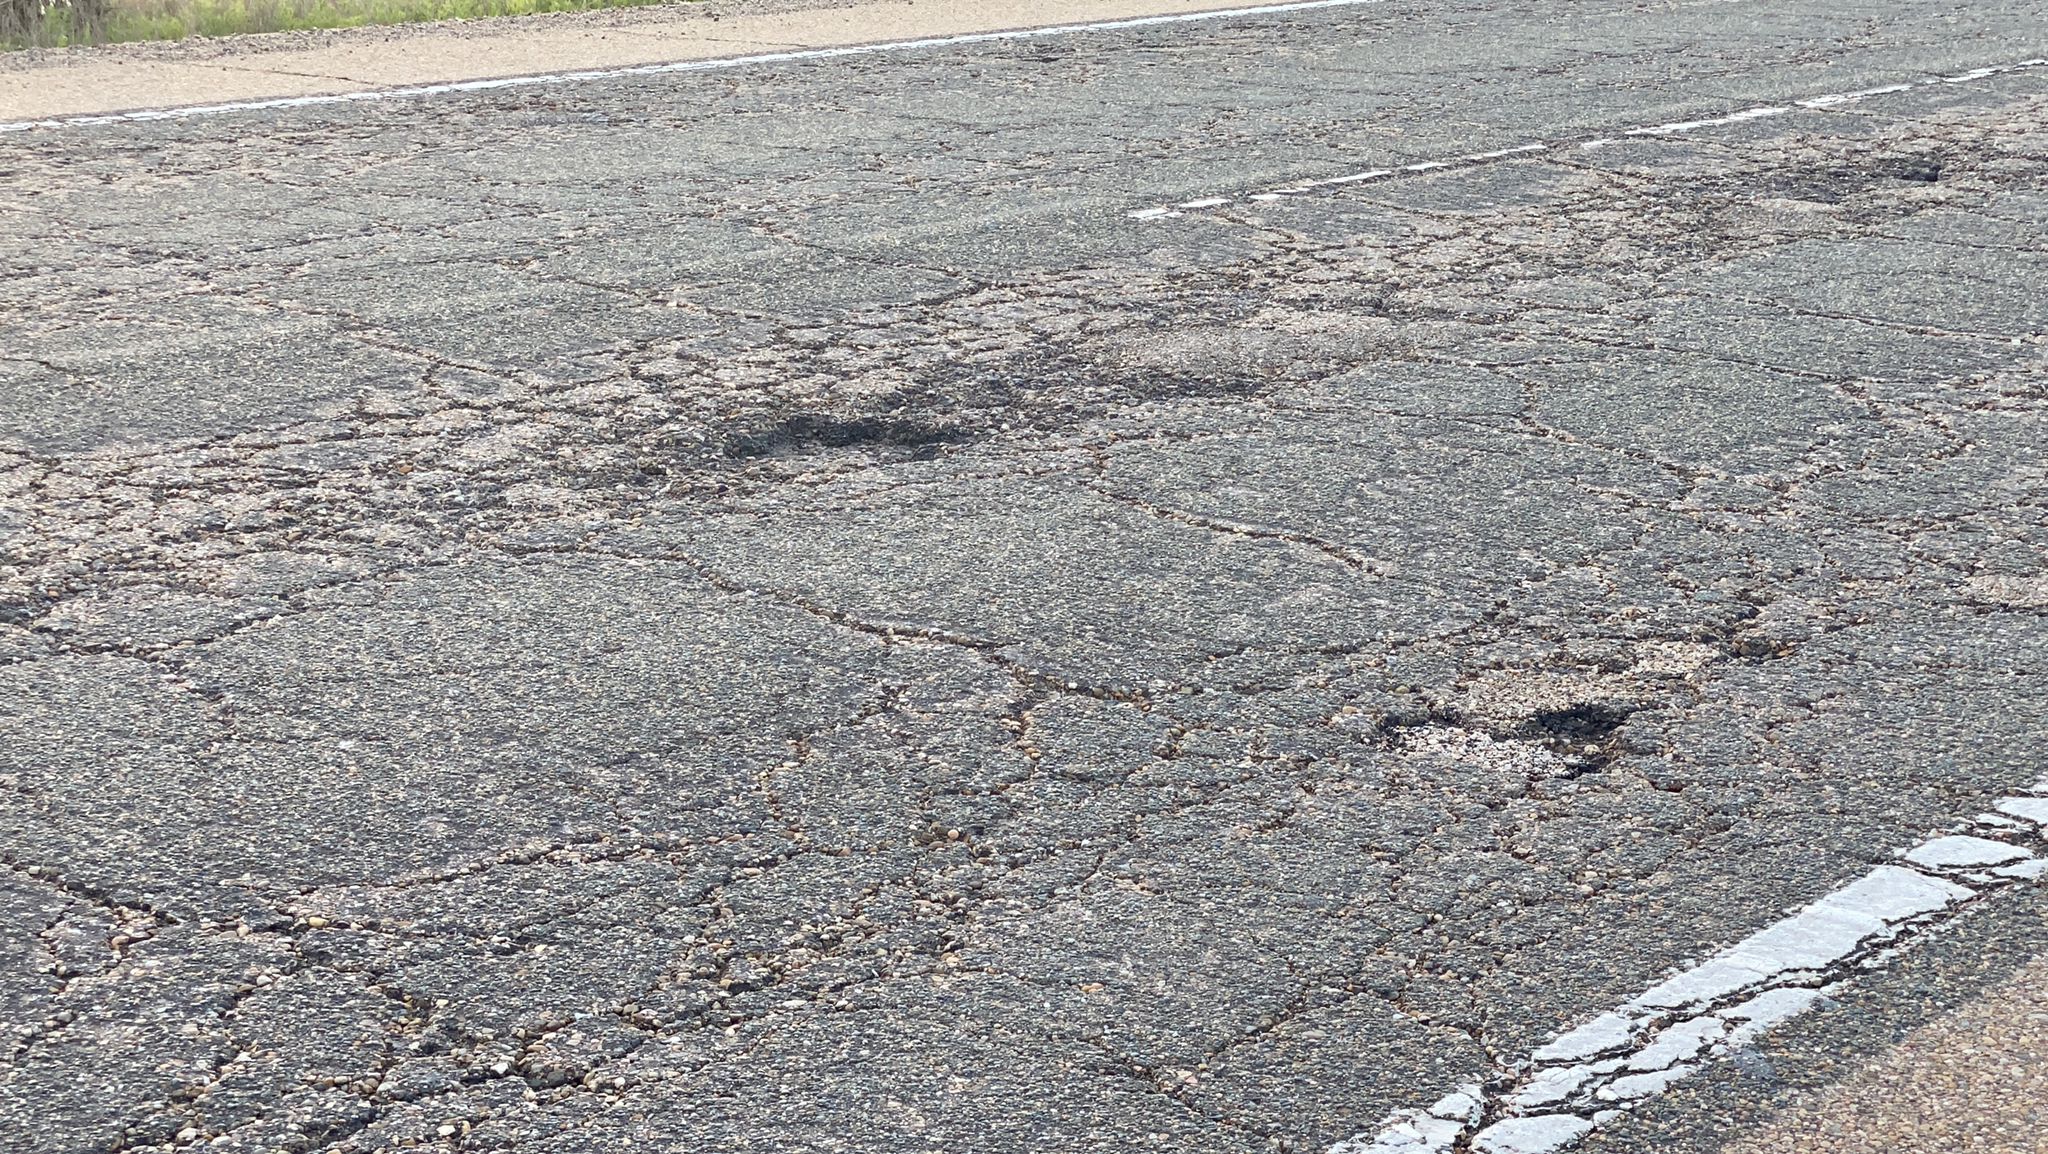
[(761, 611)]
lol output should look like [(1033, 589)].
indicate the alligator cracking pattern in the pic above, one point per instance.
[(490, 672)]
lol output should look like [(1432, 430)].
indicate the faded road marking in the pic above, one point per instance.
[(1671, 128), (1710, 122)]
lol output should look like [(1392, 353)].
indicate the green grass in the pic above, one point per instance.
[(56, 23)]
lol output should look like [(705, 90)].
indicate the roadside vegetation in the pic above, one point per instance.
[(57, 23)]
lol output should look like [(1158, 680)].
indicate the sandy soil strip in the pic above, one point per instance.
[(1976, 1080), (78, 82)]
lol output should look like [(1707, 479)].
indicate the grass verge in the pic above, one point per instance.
[(57, 23)]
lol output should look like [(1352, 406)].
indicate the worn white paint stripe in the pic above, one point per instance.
[(1673, 128), (1350, 177), (1497, 153), (1993, 70), (1678, 126), (1590, 1075), (2034, 809), (711, 65), (1831, 99), (1309, 186)]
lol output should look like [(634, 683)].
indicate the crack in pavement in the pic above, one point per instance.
[(1207, 690)]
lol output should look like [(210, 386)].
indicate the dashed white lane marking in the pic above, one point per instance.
[(1679, 126), (712, 65), (1833, 98), (1347, 178), (1672, 128), (1612, 1063), (1990, 71)]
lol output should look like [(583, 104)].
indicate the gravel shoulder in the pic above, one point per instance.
[(114, 78)]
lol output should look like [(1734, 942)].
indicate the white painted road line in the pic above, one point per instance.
[(1347, 178), (1672, 128), (1993, 70), (712, 65), (1590, 1075), (1710, 122), (1497, 153), (1298, 189), (1834, 98)]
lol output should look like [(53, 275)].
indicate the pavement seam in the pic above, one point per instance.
[(718, 64)]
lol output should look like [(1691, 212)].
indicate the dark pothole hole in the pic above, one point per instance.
[(1583, 732), (810, 432)]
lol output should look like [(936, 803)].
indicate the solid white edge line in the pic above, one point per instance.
[(1611, 1063), (708, 65)]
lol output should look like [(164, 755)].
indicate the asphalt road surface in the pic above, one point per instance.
[(809, 607)]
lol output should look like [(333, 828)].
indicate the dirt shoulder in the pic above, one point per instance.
[(87, 81), (1975, 1080)]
